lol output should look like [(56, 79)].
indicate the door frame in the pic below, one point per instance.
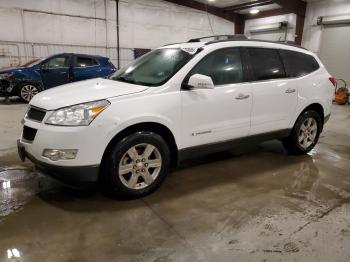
[(52, 57)]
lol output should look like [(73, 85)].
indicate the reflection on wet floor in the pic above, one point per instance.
[(17, 186), (252, 204)]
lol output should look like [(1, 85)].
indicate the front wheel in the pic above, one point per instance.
[(28, 91), (305, 133), (136, 166)]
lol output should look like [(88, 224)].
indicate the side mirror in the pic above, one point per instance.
[(198, 81)]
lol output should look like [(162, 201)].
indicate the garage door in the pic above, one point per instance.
[(335, 50)]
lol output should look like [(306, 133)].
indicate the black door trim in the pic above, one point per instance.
[(202, 150)]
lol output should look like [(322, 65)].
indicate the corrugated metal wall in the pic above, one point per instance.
[(40, 28)]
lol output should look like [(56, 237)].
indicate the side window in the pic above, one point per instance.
[(224, 66), (57, 62), (298, 64), (82, 61), (266, 63)]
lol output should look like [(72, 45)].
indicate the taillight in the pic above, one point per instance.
[(334, 81)]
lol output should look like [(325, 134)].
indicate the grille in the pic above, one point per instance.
[(29, 133), (36, 114)]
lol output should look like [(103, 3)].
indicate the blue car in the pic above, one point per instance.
[(55, 70)]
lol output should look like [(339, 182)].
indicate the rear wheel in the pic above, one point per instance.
[(28, 91), (305, 133), (136, 166)]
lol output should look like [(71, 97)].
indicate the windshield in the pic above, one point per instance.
[(154, 68), (33, 62)]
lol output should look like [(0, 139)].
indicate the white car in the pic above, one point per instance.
[(177, 102)]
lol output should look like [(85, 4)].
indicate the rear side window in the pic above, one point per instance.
[(82, 61), (224, 66), (266, 64), (298, 64)]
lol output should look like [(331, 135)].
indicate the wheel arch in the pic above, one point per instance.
[(154, 127), (315, 107), (20, 83)]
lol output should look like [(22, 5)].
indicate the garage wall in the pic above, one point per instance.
[(41, 28), (331, 43), (272, 36), (312, 32)]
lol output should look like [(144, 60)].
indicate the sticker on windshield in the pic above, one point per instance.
[(190, 50)]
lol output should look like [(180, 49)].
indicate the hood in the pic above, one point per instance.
[(6, 68), (15, 70), (82, 92), (9, 70)]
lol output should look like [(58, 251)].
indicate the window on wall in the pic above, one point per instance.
[(266, 64), (298, 64), (223, 66), (82, 61)]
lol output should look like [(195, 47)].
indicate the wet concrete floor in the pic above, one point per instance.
[(252, 204)]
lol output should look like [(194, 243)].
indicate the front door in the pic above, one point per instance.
[(56, 71), (222, 113), (275, 96)]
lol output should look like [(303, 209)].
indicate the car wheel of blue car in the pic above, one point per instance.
[(27, 92)]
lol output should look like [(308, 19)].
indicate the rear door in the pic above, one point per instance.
[(274, 96), (55, 71), (85, 67), (222, 113)]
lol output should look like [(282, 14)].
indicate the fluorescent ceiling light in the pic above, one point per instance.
[(254, 11), (333, 20)]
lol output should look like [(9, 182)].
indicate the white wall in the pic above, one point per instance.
[(290, 18), (52, 26), (312, 32), (154, 23)]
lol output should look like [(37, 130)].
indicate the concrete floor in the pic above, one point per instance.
[(253, 204)]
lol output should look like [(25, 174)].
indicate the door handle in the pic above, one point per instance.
[(242, 96), (290, 90)]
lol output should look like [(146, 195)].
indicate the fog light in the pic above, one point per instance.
[(60, 154)]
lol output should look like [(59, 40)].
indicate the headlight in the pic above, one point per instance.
[(78, 115), (6, 75)]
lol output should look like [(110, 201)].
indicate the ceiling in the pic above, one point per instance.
[(224, 3), (261, 8), (245, 6)]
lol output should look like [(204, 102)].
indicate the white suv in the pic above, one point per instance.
[(177, 102)]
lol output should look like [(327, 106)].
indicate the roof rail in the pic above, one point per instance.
[(219, 38), (288, 43)]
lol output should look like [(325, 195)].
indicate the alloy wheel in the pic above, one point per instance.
[(307, 133), (140, 166), (28, 92)]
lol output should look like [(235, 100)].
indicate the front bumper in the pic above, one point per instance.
[(73, 175), (5, 87)]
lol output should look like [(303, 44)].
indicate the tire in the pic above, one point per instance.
[(127, 170), (27, 91), (305, 133)]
